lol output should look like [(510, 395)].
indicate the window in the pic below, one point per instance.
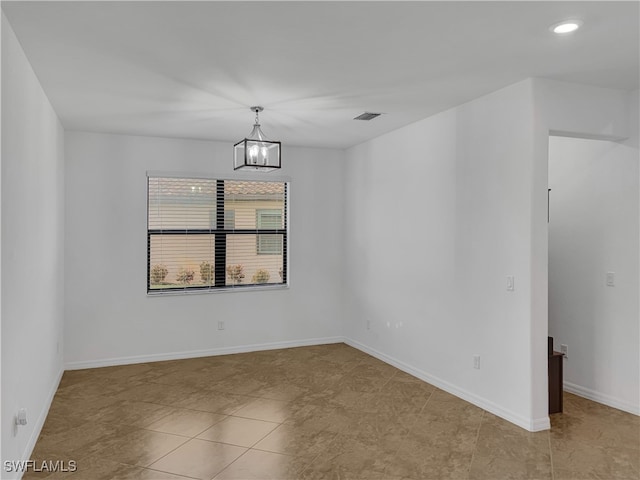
[(269, 244), (209, 234), (229, 219)]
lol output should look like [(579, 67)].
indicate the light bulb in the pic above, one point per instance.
[(253, 154), (265, 155)]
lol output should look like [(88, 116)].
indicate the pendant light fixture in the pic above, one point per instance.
[(256, 152)]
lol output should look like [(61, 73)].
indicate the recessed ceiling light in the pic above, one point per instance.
[(567, 26)]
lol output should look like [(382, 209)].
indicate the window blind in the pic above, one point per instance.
[(206, 234)]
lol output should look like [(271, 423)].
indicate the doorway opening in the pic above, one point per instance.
[(593, 267)]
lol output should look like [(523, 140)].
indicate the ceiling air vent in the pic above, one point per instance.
[(367, 116)]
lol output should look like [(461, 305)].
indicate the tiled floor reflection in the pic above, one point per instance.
[(323, 412)]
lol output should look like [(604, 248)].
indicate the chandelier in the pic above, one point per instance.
[(256, 152)]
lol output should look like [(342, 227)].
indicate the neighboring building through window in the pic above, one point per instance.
[(269, 219), (215, 234), (229, 219)]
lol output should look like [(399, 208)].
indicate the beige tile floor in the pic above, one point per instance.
[(323, 412)]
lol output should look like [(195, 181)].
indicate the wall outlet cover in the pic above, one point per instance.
[(476, 362), (611, 279)]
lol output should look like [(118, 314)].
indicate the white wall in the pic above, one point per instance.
[(584, 111), (575, 111), (109, 317), (434, 287), (477, 178), (32, 249), (594, 230), (1, 42)]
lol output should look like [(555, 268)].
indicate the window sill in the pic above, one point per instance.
[(252, 288)]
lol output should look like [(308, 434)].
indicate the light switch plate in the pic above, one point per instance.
[(511, 286)]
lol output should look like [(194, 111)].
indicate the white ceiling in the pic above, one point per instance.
[(192, 69)]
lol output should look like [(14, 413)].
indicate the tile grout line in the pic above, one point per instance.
[(144, 468), (181, 435), (205, 440), (188, 439), (385, 383), (227, 466), (550, 455), (308, 465), (162, 471), (427, 402), (248, 449), (475, 445), (265, 435)]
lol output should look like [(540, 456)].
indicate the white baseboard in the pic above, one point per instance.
[(532, 425), (28, 450), (602, 398), (159, 357)]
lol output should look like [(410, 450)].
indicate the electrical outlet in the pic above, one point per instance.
[(564, 349), (21, 418), (611, 279), (221, 325), (476, 362)]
